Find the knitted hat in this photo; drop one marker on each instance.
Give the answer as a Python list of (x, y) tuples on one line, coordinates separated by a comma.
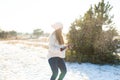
[(57, 25)]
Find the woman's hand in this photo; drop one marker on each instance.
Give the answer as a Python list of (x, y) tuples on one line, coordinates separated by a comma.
[(68, 46), (63, 48)]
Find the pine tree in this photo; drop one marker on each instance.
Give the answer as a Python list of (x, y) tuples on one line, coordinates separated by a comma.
[(91, 43)]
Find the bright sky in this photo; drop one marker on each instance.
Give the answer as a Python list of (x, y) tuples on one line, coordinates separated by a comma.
[(26, 15)]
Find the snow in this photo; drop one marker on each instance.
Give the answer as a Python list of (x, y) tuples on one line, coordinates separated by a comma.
[(28, 62)]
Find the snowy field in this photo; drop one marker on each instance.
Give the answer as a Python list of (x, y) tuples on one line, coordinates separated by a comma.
[(26, 60)]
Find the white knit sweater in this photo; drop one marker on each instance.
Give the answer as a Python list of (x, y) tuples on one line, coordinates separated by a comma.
[(54, 48)]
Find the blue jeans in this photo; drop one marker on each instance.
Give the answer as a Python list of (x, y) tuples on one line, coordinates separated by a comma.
[(55, 64)]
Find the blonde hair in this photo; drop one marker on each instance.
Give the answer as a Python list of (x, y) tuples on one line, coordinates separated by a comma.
[(59, 37)]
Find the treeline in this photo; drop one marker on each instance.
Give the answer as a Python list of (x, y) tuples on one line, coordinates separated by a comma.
[(7, 34), (91, 43), (17, 35)]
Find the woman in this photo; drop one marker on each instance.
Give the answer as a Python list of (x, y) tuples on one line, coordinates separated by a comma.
[(57, 52)]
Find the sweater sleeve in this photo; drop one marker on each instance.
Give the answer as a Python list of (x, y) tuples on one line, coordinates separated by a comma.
[(53, 44)]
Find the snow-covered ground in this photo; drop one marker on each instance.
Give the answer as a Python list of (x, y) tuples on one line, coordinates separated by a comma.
[(20, 61)]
